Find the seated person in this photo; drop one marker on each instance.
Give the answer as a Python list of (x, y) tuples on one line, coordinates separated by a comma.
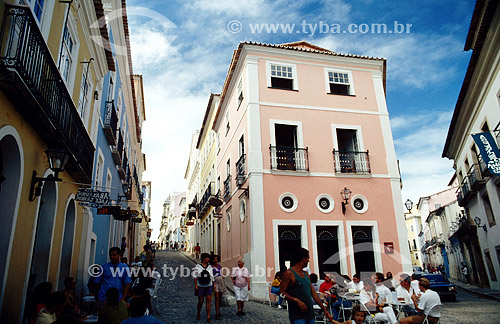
[(414, 284), (356, 284), (358, 316), (138, 307), (114, 310), (275, 287), (425, 305), (140, 291), (405, 291), (326, 285), (369, 298), (55, 304), (314, 281), (384, 293)]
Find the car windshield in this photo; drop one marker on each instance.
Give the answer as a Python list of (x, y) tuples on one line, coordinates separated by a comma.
[(433, 279)]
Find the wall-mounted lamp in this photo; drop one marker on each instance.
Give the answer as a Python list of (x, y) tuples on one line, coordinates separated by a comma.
[(408, 205), (477, 220), (58, 158), (96, 95), (125, 190), (346, 194)]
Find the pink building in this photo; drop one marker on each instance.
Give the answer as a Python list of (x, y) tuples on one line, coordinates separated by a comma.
[(296, 125)]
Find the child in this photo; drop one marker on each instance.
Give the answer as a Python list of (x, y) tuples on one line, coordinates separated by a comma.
[(357, 314)]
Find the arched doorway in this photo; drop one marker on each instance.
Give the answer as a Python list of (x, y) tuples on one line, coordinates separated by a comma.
[(67, 243), (43, 234), (11, 174)]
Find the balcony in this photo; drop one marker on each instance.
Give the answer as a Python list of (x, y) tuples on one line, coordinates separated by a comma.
[(30, 78), (475, 176), (464, 193), (122, 170), (351, 162), (128, 194), (117, 150), (227, 188), (110, 123), (137, 184), (289, 158), (204, 201), (241, 170), (485, 172)]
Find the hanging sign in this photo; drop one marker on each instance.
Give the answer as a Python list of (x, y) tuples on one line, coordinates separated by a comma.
[(489, 151), (91, 197)]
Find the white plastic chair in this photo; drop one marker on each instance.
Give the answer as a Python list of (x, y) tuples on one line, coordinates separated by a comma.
[(153, 291), (319, 316), (369, 317), (436, 308)]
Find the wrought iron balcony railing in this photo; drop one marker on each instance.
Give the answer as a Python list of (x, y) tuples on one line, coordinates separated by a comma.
[(475, 176), (30, 77), (241, 167), (122, 170), (351, 162), (227, 188), (289, 158), (464, 192), (117, 150), (209, 192), (110, 123)]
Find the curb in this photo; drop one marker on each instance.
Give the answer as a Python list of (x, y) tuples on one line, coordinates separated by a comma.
[(475, 291)]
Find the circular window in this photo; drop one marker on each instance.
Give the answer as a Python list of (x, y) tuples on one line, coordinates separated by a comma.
[(243, 210), (325, 203), (228, 218), (359, 204), (288, 202)]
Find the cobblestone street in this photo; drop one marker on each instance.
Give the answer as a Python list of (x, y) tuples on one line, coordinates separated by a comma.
[(177, 304)]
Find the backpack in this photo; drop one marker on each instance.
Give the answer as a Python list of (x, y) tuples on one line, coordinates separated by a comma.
[(204, 277)]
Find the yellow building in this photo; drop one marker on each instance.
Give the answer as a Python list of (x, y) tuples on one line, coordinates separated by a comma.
[(51, 64), (413, 227)]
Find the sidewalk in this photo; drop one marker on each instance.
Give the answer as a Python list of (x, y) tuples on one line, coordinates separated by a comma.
[(485, 292)]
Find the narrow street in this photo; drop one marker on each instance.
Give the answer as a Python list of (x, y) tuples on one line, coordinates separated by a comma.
[(177, 304)]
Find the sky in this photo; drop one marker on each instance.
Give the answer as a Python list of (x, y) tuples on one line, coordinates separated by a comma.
[(183, 50)]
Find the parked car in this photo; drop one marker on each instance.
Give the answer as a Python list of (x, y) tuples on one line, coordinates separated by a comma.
[(440, 284), (418, 270)]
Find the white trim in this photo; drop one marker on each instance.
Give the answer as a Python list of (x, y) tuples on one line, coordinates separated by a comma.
[(295, 202), (295, 78), (71, 197), (332, 203), (333, 70), (303, 236), (359, 135), (229, 220), (341, 242), (5, 131), (377, 250), (365, 201), (243, 209), (272, 124), (354, 111)]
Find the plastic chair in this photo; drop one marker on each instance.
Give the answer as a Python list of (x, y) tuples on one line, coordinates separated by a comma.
[(267, 298), (153, 291), (369, 317), (436, 308), (345, 309), (319, 316)]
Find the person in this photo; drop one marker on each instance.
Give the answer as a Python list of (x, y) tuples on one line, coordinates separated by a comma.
[(71, 307), (298, 290), (390, 282), (38, 300), (153, 249), (113, 274), (425, 305), (55, 304), (138, 308), (137, 262), (358, 316), (314, 281), (371, 300), (203, 285), (356, 284), (404, 292), (142, 292), (326, 285), (465, 271), (115, 310), (275, 287), (123, 246), (219, 285), (414, 284), (197, 250), (241, 283), (384, 293)]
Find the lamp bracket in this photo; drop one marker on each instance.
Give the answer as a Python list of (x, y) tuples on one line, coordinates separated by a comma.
[(37, 184)]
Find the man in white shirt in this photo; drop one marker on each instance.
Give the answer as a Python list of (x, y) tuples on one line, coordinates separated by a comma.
[(405, 291), (384, 294), (414, 284), (355, 284), (425, 305)]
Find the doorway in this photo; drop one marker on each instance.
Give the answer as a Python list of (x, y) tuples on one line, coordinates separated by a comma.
[(289, 242), (67, 243), (328, 249), (364, 255)]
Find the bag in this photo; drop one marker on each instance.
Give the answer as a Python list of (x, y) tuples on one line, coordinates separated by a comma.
[(204, 277), (227, 300)]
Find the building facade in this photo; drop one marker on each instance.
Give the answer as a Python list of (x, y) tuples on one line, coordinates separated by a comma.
[(413, 227), (477, 111), (281, 186)]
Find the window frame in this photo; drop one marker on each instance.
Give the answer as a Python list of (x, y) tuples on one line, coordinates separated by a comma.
[(294, 78), (352, 91), (70, 26)]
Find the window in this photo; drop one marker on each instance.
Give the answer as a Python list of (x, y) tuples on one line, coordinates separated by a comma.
[(339, 83), (110, 90), (288, 202), (488, 210), (66, 60), (489, 264), (98, 175), (325, 203), (83, 99), (240, 92), (414, 244), (228, 168), (227, 122), (228, 219), (416, 256), (282, 76), (241, 146), (411, 228), (359, 204), (37, 7)]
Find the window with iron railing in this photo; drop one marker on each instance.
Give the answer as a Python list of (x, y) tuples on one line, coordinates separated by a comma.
[(289, 158), (227, 188), (351, 162)]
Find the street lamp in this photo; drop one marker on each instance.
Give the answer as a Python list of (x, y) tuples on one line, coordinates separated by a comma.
[(346, 194), (125, 191), (408, 204), (58, 158), (477, 220)]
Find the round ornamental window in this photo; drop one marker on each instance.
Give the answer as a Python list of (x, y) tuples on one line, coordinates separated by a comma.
[(288, 202), (359, 204), (325, 203)]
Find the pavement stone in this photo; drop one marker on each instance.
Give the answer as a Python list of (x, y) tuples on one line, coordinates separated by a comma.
[(485, 292)]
